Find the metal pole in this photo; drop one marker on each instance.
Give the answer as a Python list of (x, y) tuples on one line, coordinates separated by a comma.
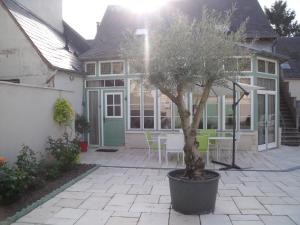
[(234, 125)]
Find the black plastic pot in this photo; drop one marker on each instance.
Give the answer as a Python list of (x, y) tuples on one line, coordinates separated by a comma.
[(193, 197)]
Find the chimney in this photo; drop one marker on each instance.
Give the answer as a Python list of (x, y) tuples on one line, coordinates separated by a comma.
[(48, 11)]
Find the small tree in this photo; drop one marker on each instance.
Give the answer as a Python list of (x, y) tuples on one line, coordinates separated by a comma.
[(180, 53), (282, 19)]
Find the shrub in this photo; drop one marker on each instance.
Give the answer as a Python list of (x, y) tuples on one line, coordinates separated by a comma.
[(63, 112), (82, 126), (28, 164), (65, 151), (12, 183)]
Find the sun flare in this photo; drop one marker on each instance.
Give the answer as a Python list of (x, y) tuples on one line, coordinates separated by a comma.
[(143, 6)]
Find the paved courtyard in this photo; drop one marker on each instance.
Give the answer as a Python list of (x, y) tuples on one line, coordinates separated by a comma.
[(130, 196)]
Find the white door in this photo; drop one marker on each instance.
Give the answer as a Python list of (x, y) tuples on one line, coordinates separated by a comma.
[(267, 120)]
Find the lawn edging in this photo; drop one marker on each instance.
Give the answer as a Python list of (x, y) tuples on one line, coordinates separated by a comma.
[(47, 197)]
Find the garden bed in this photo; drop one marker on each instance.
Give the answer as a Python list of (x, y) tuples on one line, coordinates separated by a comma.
[(30, 197)]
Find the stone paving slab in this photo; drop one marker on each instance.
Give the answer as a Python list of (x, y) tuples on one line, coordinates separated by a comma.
[(142, 197)]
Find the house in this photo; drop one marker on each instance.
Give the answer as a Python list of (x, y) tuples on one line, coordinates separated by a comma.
[(120, 107), (37, 47), (290, 83), (38, 64)]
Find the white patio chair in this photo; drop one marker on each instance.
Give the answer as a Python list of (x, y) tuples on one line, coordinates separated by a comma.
[(175, 144)]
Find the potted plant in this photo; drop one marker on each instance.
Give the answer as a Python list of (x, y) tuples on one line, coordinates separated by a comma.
[(181, 55), (82, 127)]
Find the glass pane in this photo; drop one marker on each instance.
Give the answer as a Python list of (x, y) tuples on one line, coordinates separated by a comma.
[(149, 101), (261, 120), (245, 108), (148, 122), (110, 111), (261, 66), (244, 64), (106, 68), (271, 118), (109, 99), (271, 67), (119, 83), (117, 99), (93, 83), (212, 122), (268, 84), (118, 67), (165, 112), (165, 122), (228, 113), (109, 83), (135, 94), (91, 68), (135, 122), (93, 118), (230, 64), (117, 110), (177, 123), (135, 68)]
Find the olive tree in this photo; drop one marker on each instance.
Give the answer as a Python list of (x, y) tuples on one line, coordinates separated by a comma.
[(180, 53)]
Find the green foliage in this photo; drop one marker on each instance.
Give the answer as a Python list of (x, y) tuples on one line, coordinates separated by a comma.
[(12, 183), (82, 126), (65, 151), (52, 171), (63, 112), (282, 19)]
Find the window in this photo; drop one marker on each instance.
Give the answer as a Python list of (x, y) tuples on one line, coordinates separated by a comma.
[(228, 113), (135, 103), (165, 112), (113, 105), (268, 84), (197, 93), (212, 113), (90, 68), (245, 108), (264, 66), (107, 68), (242, 64), (136, 68), (149, 102), (105, 83)]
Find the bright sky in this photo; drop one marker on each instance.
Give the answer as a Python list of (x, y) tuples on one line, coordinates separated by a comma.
[(82, 15)]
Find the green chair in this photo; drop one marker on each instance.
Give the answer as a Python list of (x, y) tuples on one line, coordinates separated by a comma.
[(202, 140)]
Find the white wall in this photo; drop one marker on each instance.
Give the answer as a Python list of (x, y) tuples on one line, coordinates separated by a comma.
[(18, 59), (27, 117), (294, 88), (73, 83), (49, 11)]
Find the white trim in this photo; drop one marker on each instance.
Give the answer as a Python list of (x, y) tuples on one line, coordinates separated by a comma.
[(111, 68), (267, 60), (85, 69), (266, 93), (121, 104)]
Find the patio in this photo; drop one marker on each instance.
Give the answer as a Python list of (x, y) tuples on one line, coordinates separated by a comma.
[(114, 194), (283, 158)]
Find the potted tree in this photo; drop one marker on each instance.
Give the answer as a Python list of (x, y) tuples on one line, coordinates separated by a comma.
[(82, 127), (180, 54)]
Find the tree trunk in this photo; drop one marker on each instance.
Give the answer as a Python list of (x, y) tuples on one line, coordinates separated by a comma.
[(193, 160)]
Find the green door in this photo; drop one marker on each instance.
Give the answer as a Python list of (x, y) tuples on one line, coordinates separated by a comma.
[(113, 118)]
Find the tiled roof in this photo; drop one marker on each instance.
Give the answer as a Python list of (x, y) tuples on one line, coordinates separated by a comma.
[(290, 46), (50, 43), (116, 20)]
